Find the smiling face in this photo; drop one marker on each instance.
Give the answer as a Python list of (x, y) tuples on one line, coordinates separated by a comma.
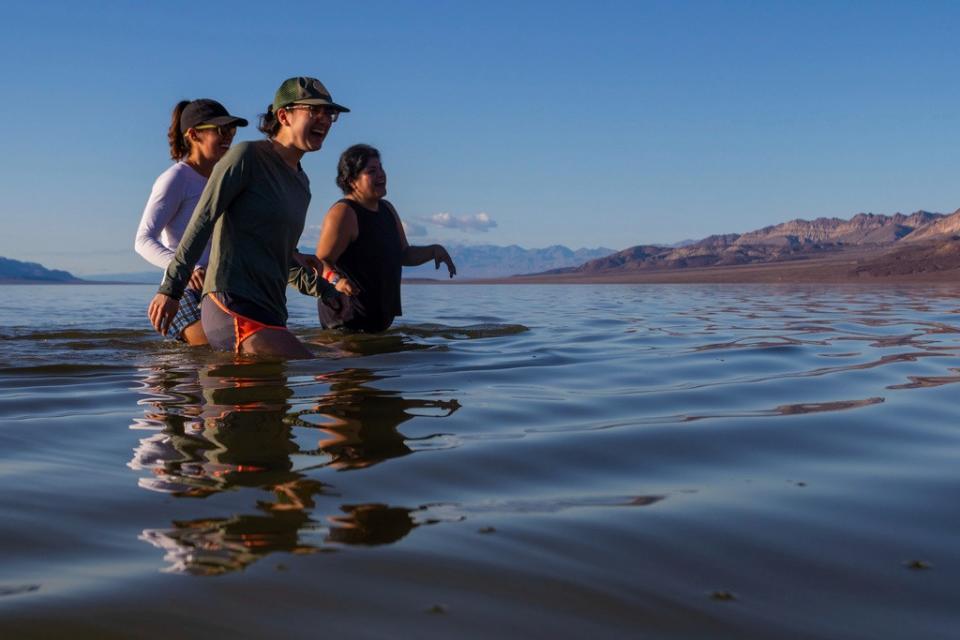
[(371, 184), (209, 142), (304, 127)]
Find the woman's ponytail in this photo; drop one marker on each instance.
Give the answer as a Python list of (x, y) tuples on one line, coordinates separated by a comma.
[(179, 147)]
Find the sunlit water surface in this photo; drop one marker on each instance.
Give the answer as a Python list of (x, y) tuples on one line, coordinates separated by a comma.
[(525, 461)]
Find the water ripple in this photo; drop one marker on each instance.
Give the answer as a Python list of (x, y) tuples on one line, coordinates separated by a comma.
[(674, 461)]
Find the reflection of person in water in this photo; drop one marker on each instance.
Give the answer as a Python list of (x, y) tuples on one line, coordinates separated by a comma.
[(236, 436), (213, 546), (224, 429), (230, 428), (218, 545), (371, 524), (362, 421)]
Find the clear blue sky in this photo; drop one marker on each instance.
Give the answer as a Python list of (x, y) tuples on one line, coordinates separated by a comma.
[(602, 123)]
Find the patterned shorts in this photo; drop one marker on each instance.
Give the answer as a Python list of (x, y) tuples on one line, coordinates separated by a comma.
[(188, 313)]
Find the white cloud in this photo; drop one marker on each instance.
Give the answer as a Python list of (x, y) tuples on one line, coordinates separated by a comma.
[(479, 222)]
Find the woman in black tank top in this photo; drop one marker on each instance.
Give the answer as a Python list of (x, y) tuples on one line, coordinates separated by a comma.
[(363, 243)]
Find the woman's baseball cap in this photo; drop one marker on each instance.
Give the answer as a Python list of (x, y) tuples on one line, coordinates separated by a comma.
[(207, 111)]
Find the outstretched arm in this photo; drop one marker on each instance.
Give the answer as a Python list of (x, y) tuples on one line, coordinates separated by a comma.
[(415, 255)]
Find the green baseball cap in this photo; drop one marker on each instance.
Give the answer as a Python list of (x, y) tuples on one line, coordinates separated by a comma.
[(303, 90)]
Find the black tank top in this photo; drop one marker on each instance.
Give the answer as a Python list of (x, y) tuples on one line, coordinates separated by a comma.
[(374, 263)]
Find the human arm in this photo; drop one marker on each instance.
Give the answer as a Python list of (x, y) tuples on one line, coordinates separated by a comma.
[(415, 255), (228, 180), (307, 262), (305, 276), (164, 202), (310, 283), (339, 230)]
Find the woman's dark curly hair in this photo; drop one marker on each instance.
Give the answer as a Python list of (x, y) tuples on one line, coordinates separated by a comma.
[(352, 162)]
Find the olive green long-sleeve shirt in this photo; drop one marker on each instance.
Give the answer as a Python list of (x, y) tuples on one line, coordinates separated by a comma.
[(254, 206)]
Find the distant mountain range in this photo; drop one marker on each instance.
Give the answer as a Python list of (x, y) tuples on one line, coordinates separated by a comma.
[(871, 245), (920, 242), (482, 261), (15, 271), (137, 277), (492, 261)]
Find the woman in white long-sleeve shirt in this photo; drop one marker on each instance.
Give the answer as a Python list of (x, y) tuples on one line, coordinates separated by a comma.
[(200, 132)]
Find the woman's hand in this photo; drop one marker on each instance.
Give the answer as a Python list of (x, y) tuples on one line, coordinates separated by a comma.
[(161, 312), (440, 255), (196, 279), (346, 287)]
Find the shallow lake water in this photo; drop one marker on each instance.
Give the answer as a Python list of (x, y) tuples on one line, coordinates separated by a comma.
[(664, 461)]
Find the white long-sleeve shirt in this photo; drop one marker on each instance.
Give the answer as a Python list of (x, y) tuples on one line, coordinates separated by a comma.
[(172, 200)]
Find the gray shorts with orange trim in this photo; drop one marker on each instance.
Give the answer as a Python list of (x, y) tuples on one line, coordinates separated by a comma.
[(227, 322)]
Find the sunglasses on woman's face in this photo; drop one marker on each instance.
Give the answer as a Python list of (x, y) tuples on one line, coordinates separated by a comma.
[(221, 130)]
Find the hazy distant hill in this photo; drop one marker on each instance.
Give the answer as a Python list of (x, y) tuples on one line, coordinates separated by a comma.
[(794, 240), (492, 261), (481, 261), (17, 271), (139, 277)]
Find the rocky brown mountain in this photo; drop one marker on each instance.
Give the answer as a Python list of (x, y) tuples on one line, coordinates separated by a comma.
[(867, 233), (942, 227), (863, 228)]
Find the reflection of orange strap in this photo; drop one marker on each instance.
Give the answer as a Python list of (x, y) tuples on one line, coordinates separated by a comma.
[(243, 327)]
